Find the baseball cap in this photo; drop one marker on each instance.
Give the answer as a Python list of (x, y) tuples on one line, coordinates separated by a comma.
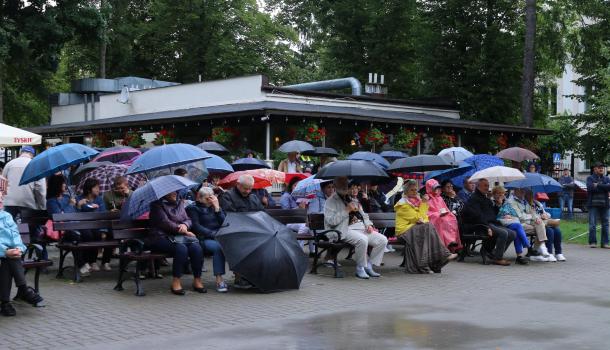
[(29, 149)]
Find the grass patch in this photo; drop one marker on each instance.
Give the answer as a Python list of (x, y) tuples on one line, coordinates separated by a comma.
[(573, 230)]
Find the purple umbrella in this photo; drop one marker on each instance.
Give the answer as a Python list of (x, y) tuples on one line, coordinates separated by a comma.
[(119, 155), (517, 154)]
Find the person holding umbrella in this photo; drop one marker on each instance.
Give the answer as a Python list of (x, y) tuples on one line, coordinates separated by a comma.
[(18, 197), (291, 164), (342, 212), (171, 234)]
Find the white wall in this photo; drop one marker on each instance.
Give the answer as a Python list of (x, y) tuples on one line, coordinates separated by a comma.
[(566, 87)]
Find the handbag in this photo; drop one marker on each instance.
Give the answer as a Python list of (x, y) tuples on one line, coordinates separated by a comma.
[(598, 199), (49, 232), (182, 239)]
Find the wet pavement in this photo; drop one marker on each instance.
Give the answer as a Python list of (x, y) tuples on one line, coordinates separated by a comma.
[(469, 306)]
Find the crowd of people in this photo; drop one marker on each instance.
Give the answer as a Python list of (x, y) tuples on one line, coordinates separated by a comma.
[(184, 223)]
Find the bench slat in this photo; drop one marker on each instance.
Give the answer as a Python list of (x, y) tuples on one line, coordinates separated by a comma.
[(87, 216)]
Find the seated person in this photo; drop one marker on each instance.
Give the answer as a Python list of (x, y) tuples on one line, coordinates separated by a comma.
[(479, 210), (240, 198), (287, 201), (453, 202), (344, 213), (376, 200), (91, 201), (531, 222), (508, 217), (170, 234), (553, 233), (116, 197), (425, 252), (443, 220), (207, 217), (466, 191), (317, 203), (265, 197), (11, 266)]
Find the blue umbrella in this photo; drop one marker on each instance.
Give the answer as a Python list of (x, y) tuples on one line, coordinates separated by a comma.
[(442, 175), (307, 187), (139, 201), (537, 183), (216, 164), (167, 156), (393, 155), (56, 159), (478, 162), (249, 164), (373, 157)]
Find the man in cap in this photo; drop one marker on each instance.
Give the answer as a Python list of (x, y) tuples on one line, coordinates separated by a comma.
[(598, 187), (30, 196)]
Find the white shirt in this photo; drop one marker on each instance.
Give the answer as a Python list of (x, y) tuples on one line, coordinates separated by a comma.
[(292, 167), (31, 195)]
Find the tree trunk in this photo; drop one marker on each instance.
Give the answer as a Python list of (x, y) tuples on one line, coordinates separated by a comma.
[(1, 97), (529, 73)]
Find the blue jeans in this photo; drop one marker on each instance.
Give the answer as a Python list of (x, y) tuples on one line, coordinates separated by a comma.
[(553, 239), (181, 253), (521, 240), (211, 246), (594, 212), (567, 200)]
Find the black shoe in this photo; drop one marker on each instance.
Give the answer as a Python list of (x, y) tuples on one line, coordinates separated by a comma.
[(29, 295), (521, 261), (7, 309), (200, 290), (177, 292)]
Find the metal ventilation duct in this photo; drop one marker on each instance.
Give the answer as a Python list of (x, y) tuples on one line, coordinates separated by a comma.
[(333, 84)]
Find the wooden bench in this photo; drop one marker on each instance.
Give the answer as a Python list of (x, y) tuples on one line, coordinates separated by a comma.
[(475, 236), (30, 263), (291, 216), (324, 244), (386, 224), (82, 221), (131, 235)]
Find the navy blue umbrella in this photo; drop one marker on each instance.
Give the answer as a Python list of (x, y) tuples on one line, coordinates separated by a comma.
[(419, 164), (537, 183), (139, 201), (55, 159), (478, 162), (393, 155), (355, 169), (249, 164), (167, 156), (213, 147), (373, 157)]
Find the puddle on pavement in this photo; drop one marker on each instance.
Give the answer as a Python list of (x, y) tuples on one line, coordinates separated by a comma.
[(569, 298), (390, 330)]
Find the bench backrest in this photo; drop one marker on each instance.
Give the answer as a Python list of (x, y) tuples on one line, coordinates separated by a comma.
[(315, 221), (33, 216), (288, 216), (84, 221), (24, 232), (383, 220), (134, 229)]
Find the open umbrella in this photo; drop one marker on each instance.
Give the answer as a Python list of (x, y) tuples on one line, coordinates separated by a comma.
[(263, 250), (308, 187), (374, 157), (290, 176), (322, 151), (55, 159), (498, 174), (419, 164), (231, 179), (273, 176), (393, 155), (11, 136), (120, 154), (216, 164), (517, 154), (355, 169), (478, 162), (455, 154), (139, 201), (296, 146), (167, 156), (249, 163), (442, 175), (537, 183), (105, 174), (213, 147)]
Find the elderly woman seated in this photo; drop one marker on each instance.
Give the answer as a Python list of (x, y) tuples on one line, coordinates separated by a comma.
[(170, 234), (207, 217), (508, 218), (424, 250), (444, 220), (553, 233)]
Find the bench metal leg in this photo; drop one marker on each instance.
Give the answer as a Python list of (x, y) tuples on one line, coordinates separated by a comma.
[(122, 269), (77, 276), (338, 272), (62, 258), (314, 267), (139, 288), (37, 279)]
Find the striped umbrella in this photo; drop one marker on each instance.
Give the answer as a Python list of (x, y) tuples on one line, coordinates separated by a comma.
[(106, 174)]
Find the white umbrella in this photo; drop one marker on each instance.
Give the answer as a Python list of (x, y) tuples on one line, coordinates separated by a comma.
[(498, 174), (455, 155), (11, 136)]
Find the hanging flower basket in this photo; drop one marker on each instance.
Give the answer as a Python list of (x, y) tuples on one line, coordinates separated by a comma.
[(406, 139), (224, 135), (164, 137), (498, 143), (133, 139), (311, 133), (443, 141), (100, 140), (531, 144), (372, 137)]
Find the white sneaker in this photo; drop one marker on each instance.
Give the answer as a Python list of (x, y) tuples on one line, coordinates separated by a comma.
[(551, 258), (542, 249), (85, 271), (389, 248), (539, 258), (560, 257), (106, 267), (94, 267)]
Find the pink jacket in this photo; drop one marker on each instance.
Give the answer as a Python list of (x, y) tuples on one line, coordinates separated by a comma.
[(446, 225)]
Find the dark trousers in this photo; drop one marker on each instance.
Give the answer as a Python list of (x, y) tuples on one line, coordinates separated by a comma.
[(91, 255), (10, 269), (553, 235), (15, 212), (503, 238), (182, 254), (211, 246)]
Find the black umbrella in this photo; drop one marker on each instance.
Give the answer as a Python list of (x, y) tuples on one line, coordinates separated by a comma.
[(263, 250), (213, 147), (322, 151), (419, 164), (296, 146), (249, 164), (355, 169)]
